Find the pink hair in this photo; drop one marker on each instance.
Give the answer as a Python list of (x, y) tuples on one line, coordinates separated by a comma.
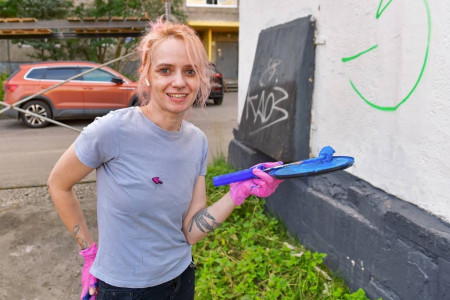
[(160, 31)]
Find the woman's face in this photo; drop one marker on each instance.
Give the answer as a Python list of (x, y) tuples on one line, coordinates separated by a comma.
[(173, 82)]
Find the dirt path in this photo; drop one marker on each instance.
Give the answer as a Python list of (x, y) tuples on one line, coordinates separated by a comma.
[(38, 257)]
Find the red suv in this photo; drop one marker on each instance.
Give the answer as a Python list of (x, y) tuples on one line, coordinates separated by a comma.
[(92, 94)]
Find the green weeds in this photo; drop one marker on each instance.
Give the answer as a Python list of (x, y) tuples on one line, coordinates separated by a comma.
[(251, 256), (3, 77)]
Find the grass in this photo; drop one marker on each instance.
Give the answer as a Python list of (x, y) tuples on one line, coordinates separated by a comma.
[(251, 256), (3, 77)]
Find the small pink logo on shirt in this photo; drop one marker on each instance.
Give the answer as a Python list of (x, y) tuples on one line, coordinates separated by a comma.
[(156, 180)]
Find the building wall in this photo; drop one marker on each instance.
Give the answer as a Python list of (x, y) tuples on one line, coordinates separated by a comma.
[(10, 52), (394, 121), (390, 248), (379, 95), (216, 14), (217, 24)]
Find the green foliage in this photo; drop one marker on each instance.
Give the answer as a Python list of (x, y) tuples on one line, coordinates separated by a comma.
[(3, 77), (40, 9), (60, 9), (127, 8), (251, 256), (91, 49), (46, 50), (124, 8)]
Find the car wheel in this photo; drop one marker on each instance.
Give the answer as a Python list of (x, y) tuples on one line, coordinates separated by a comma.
[(218, 101), (37, 107)]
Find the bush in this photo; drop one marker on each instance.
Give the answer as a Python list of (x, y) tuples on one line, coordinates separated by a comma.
[(251, 256), (3, 77)]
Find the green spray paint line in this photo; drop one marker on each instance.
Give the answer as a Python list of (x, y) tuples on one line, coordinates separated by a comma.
[(381, 10), (422, 70), (347, 59), (385, 108)]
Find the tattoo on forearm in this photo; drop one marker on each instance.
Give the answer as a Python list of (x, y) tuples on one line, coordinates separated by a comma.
[(204, 221), (84, 244), (76, 228)]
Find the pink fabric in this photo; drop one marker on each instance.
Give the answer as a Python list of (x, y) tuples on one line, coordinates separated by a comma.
[(262, 187), (88, 282)]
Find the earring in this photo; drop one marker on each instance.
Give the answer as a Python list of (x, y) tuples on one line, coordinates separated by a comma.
[(148, 83)]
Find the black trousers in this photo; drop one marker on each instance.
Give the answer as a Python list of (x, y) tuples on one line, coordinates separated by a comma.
[(180, 288)]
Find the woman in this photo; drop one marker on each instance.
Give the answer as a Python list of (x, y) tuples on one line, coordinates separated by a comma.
[(150, 166)]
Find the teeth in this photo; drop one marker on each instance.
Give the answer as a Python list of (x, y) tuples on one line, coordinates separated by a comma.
[(177, 95)]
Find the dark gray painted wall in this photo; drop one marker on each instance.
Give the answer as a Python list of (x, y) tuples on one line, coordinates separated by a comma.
[(390, 248)]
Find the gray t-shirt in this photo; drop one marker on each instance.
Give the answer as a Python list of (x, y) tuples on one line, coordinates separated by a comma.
[(141, 243)]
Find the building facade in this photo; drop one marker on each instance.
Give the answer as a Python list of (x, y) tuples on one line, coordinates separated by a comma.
[(380, 95), (217, 23)]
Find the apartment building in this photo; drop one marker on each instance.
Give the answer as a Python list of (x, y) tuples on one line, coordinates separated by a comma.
[(217, 22)]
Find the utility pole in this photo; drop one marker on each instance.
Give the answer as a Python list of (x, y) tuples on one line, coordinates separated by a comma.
[(8, 68), (167, 7)]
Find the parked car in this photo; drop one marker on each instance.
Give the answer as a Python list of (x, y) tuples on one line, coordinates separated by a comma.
[(92, 94), (217, 87)]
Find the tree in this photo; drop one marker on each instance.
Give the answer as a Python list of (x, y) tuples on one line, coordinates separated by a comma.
[(39, 9), (42, 10), (127, 8), (92, 49)]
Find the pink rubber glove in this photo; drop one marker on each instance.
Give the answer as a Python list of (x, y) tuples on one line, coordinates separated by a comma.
[(262, 187), (88, 282)]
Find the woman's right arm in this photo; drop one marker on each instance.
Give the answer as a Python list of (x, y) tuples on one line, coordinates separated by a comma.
[(68, 171)]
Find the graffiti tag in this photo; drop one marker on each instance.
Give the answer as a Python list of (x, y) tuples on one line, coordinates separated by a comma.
[(264, 106)]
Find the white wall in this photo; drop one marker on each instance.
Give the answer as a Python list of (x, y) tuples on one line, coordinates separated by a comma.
[(403, 151)]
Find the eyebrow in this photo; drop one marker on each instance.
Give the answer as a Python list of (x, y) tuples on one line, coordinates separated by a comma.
[(163, 65), (171, 65)]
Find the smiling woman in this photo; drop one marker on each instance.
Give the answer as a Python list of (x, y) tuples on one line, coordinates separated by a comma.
[(150, 166), (172, 84), (191, 49)]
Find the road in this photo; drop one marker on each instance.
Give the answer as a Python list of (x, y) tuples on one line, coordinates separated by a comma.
[(28, 155)]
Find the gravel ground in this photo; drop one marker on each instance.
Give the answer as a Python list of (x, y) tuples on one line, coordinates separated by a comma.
[(38, 257)]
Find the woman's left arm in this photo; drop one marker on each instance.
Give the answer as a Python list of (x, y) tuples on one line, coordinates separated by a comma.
[(201, 220)]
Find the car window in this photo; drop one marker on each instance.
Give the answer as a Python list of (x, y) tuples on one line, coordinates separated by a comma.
[(36, 73), (97, 75), (60, 73)]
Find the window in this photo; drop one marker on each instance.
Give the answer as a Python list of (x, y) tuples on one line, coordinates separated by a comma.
[(97, 75), (212, 3), (60, 73), (35, 73)]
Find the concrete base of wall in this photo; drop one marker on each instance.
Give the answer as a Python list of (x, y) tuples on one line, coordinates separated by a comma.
[(373, 240)]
